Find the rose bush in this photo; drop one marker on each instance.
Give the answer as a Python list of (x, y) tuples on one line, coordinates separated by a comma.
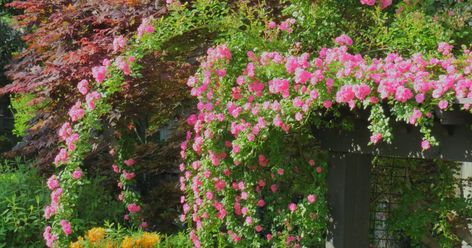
[(85, 120), (248, 109)]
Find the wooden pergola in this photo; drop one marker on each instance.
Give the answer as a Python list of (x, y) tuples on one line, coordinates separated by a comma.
[(350, 166)]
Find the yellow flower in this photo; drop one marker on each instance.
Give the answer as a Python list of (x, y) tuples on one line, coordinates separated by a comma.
[(128, 242), (110, 244), (149, 240), (96, 234), (77, 244)]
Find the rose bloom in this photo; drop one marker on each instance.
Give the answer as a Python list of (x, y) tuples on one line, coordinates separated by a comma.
[(311, 198), (77, 174), (134, 208), (129, 162), (292, 207)]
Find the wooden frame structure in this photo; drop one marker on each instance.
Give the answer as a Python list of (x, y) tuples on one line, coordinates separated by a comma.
[(350, 165)]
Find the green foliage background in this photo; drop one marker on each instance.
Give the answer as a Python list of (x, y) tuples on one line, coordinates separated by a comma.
[(24, 194)]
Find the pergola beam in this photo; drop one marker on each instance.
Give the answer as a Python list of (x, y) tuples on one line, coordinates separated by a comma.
[(452, 130)]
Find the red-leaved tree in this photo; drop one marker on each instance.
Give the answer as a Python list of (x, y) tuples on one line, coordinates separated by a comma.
[(66, 39)]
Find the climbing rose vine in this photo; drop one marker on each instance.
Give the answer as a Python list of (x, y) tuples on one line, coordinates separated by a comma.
[(76, 134), (251, 174), (382, 3)]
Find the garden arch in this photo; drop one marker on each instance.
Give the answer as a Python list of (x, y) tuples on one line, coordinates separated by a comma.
[(350, 160)]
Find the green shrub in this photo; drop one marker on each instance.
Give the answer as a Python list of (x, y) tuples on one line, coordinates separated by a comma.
[(432, 208), (96, 203), (320, 22), (411, 32), (177, 240), (23, 196), (24, 111), (455, 16), (402, 28)]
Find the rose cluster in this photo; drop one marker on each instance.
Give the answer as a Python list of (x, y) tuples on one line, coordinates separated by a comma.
[(234, 169)]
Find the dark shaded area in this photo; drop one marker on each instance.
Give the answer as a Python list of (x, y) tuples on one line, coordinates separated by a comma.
[(348, 198), (10, 41)]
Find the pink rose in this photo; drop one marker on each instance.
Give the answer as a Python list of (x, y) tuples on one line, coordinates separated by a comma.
[(99, 73), (128, 175), (311, 198), (77, 174), (368, 2), (49, 211), (425, 145), (419, 98), (134, 208), (55, 195), (65, 131), (52, 182), (70, 141), (76, 112), (344, 40), (292, 207), (144, 225), (123, 65), (66, 228), (445, 48), (49, 237), (209, 195), (115, 167), (118, 43), (273, 188), (129, 162), (415, 116), (443, 104), (91, 98), (375, 138), (61, 157), (262, 160), (145, 27), (327, 104), (249, 220), (83, 87), (385, 3)]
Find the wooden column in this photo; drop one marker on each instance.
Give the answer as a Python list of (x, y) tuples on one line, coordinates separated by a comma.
[(348, 200)]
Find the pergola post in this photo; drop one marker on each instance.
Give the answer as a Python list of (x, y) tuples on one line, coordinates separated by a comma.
[(348, 200), (350, 164)]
